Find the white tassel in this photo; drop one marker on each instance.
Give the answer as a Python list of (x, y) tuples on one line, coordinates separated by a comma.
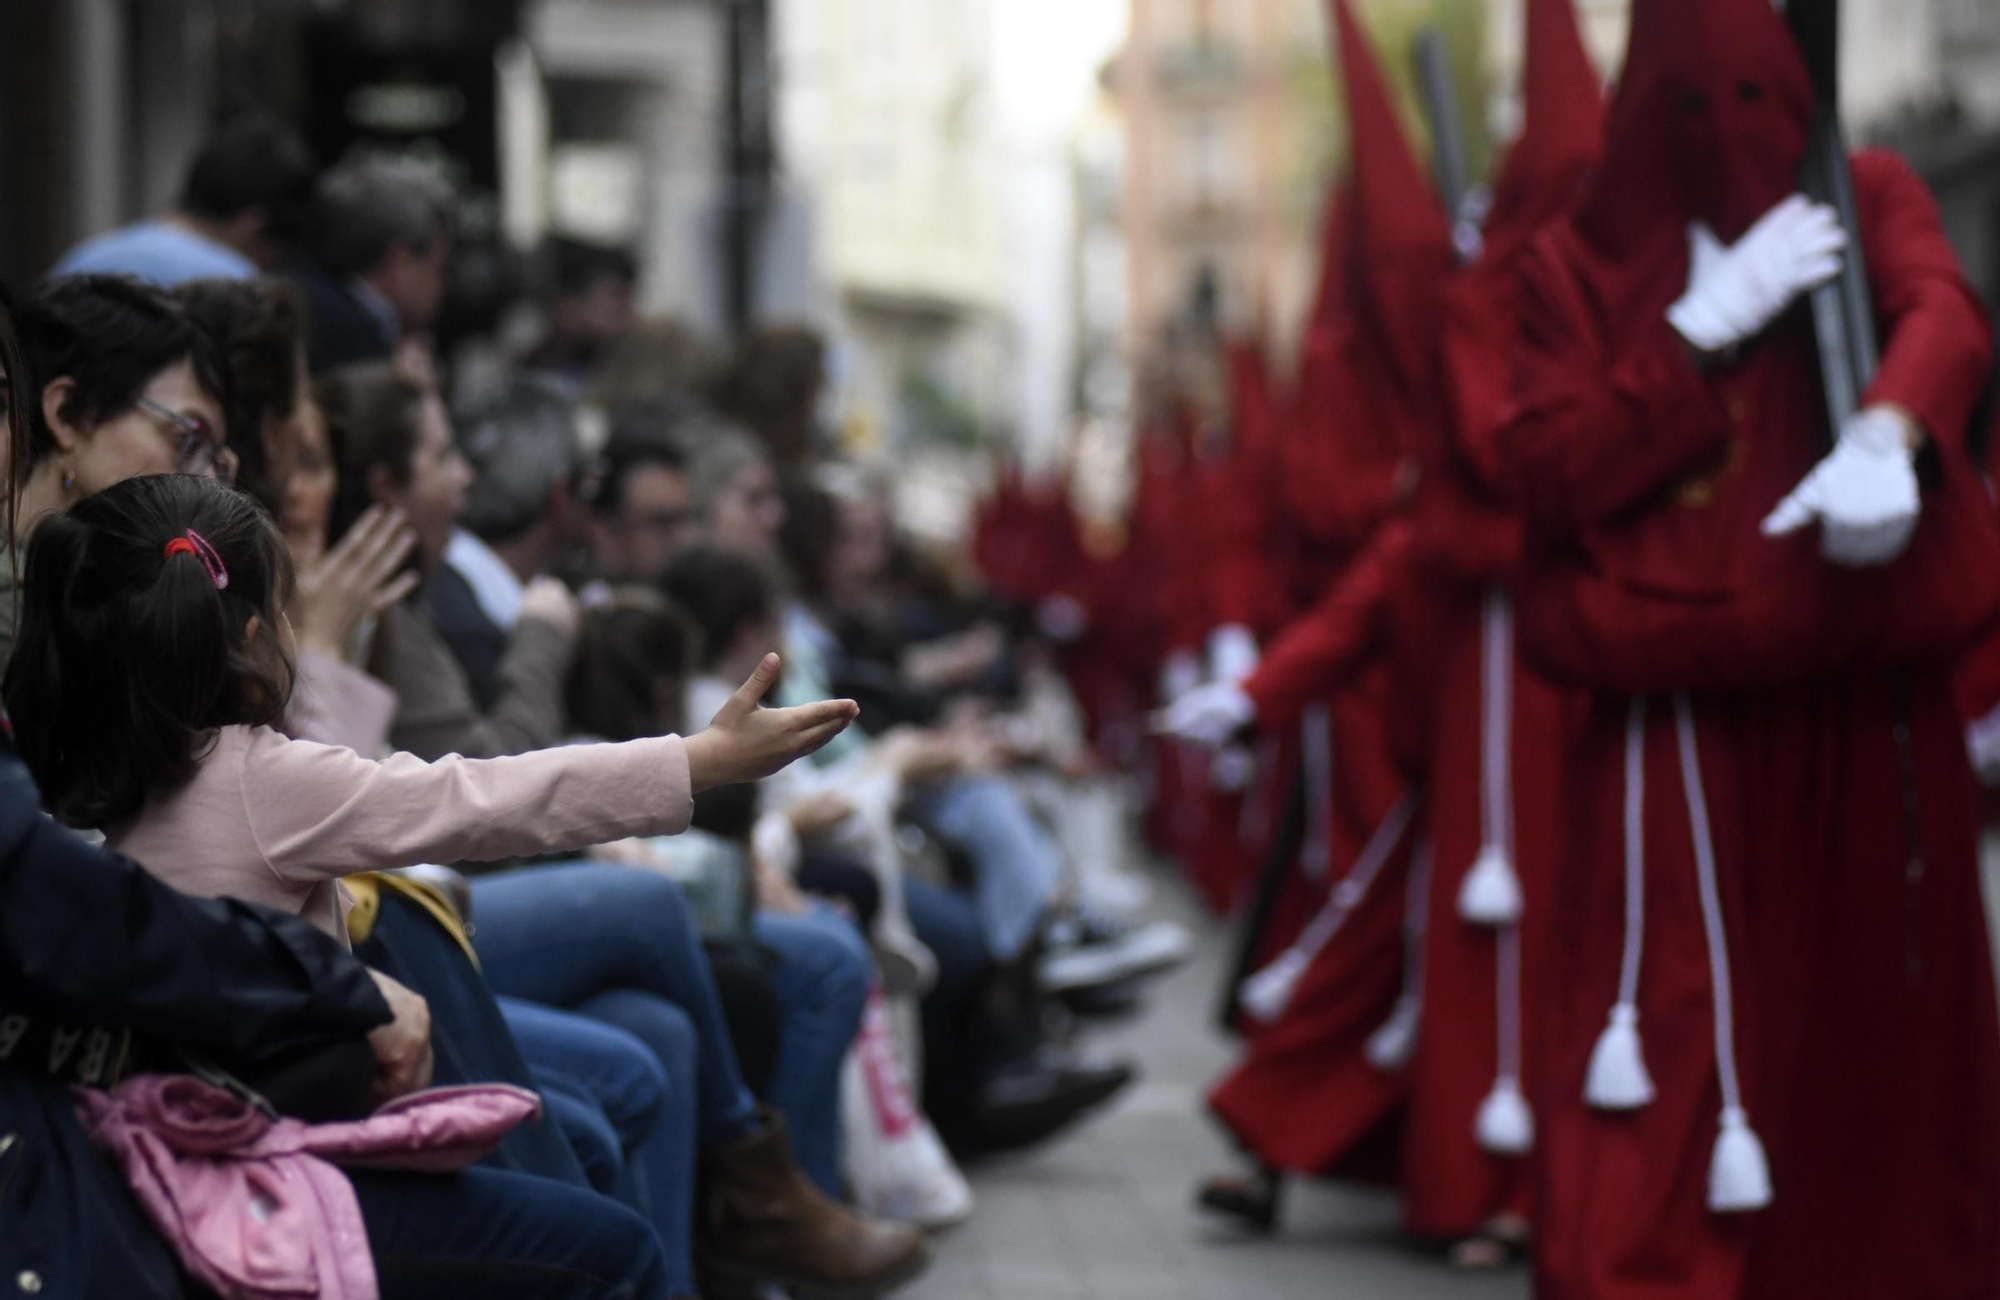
[(1505, 1126), (1618, 1079), (1389, 1047), (1739, 1174), (1491, 892), (1265, 995)]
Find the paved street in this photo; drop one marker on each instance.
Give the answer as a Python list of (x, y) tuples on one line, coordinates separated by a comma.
[(1105, 1214)]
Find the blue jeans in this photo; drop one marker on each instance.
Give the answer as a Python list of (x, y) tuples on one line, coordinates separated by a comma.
[(822, 977), (629, 1116), (1017, 864), (470, 1040), (617, 944), (495, 1232)]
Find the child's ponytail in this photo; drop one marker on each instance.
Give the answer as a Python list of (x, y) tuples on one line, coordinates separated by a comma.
[(149, 620)]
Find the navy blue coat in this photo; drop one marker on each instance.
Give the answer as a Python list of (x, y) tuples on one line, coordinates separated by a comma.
[(97, 960)]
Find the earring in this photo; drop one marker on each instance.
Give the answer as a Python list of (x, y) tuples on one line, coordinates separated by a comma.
[(69, 481)]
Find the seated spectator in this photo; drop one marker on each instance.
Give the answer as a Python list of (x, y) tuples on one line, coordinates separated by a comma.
[(117, 381), (587, 309), (239, 213), (394, 448), (258, 326), (626, 950), (518, 524), (378, 262), (656, 364), (640, 511), (772, 387), (226, 979)]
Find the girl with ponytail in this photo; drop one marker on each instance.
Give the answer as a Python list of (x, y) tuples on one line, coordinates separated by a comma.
[(154, 665)]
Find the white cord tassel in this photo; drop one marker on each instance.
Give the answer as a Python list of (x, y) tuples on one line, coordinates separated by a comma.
[(1505, 1125), (1491, 891), (1739, 1174), (1316, 758), (1265, 995), (1390, 1047), (1618, 1079)]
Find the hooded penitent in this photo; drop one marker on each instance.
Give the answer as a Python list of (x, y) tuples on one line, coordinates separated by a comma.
[(1737, 746)]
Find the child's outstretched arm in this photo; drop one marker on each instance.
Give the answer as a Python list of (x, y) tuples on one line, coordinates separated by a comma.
[(317, 811)]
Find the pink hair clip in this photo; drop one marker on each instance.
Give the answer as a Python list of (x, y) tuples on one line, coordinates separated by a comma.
[(196, 545)]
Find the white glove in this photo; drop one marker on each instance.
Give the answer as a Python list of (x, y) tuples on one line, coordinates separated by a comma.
[(1864, 493), (1208, 715), (1734, 292), (1180, 674), (1232, 653)]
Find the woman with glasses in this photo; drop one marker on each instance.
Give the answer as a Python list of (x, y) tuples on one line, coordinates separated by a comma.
[(120, 382)]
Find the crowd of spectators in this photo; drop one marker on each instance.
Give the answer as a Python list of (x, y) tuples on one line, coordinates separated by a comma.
[(374, 689)]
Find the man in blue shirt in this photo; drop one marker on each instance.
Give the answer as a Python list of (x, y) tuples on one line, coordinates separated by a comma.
[(239, 213)]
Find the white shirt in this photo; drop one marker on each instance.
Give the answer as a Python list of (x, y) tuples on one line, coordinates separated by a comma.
[(496, 587)]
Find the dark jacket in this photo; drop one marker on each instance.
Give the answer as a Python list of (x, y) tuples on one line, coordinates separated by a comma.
[(101, 964), (341, 330)]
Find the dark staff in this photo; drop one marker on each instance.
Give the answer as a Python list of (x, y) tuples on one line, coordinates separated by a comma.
[(1439, 98), (1844, 326)]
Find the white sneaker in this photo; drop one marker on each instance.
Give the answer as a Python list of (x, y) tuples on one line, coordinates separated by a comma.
[(1088, 952)]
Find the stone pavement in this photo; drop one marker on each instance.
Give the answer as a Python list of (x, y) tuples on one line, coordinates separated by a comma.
[(1104, 1213)]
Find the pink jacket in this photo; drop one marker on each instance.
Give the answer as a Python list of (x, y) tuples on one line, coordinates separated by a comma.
[(254, 1206), (278, 821)]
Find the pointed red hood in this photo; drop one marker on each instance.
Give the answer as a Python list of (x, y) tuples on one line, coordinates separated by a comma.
[(1562, 128), (1708, 124), (1330, 296), (1399, 246)]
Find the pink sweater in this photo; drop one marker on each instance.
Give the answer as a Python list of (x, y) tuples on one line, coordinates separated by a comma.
[(278, 821)]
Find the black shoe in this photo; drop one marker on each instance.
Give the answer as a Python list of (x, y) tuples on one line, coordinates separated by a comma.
[(1251, 1201), (1032, 1100), (1115, 1001)]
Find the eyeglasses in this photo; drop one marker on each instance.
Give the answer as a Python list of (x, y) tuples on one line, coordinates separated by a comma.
[(200, 452)]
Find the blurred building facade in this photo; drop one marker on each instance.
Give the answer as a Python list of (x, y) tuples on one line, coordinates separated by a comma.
[(887, 133)]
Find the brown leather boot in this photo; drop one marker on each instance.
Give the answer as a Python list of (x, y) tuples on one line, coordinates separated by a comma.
[(764, 1221)]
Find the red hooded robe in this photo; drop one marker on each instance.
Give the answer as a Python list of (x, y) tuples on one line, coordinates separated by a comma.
[(1840, 898)]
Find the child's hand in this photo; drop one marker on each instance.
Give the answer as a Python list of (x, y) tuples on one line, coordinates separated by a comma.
[(747, 742)]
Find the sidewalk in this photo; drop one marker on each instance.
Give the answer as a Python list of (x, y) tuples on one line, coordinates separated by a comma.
[(1105, 1213)]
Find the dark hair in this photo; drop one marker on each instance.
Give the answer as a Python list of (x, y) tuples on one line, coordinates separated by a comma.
[(810, 534), (372, 412), (521, 454), (643, 439), (259, 325), (372, 202), (622, 651), (575, 265), (253, 163), (771, 386), (128, 657), (109, 335), (723, 591)]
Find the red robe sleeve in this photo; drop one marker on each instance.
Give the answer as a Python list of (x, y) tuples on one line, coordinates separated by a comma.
[(1936, 344), (1592, 428), (1325, 647)]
